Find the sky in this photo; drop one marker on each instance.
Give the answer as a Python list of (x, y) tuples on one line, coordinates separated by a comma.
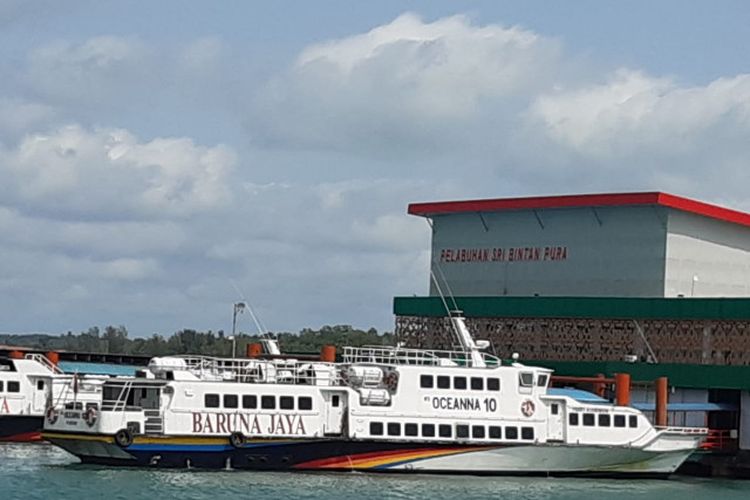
[(160, 161)]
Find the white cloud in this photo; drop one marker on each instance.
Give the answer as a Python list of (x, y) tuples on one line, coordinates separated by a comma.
[(407, 84), (634, 110), (108, 173)]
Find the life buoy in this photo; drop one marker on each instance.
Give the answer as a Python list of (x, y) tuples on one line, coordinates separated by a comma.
[(237, 439), (91, 416), (527, 408), (123, 438), (391, 381), (51, 415)]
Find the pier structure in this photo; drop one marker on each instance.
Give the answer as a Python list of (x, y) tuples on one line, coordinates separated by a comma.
[(651, 285)]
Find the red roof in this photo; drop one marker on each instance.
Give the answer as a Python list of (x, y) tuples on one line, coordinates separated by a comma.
[(582, 200)]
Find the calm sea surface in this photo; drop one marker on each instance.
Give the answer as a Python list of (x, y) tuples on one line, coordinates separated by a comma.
[(31, 471)]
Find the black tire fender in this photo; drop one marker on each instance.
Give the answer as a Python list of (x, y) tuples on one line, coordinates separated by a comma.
[(123, 438), (237, 439)]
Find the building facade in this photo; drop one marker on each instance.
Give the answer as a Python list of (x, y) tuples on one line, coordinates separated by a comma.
[(615, 245)]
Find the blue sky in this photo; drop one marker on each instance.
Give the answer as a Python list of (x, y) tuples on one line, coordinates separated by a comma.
[(162, 160)]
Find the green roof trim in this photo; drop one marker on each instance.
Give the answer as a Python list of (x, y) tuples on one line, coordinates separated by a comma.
[(580, 307), (684, 376)]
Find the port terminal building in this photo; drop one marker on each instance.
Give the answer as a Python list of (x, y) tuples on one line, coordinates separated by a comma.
[(651, 284)]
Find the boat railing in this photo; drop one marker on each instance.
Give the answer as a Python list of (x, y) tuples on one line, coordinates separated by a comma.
[(683, 430), (388, 355), (277, 371), (44, 360)]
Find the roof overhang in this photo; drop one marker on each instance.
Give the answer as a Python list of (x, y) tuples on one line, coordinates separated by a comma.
[(431, 209)]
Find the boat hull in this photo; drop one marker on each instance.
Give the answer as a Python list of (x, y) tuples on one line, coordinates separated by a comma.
[(372, 456), (21, 428)]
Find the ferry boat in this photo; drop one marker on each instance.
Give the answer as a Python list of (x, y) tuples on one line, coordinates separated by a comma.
[(25, 393), (391, 409)]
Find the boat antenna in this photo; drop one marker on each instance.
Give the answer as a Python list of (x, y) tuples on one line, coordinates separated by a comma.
[(447, 286), (270, 342), (445, 303), (258, 323)]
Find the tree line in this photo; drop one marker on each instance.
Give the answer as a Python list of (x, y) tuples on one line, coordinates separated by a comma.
[(115, 340)]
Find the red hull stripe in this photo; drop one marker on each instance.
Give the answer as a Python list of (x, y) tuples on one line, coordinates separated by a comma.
[(584, 200), (24, 437), (381, 458)]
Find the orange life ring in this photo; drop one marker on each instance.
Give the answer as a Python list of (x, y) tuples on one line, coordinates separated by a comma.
[(527, 408), (91, 416), (391, 381), (51, 415)]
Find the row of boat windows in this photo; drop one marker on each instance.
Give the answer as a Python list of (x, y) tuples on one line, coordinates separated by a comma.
[(12, 386), (603, 420), (525, 379), (460, 383), (461, 431), (250, 401)]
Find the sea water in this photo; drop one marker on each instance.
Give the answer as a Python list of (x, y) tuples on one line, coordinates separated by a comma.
[(41, 471)]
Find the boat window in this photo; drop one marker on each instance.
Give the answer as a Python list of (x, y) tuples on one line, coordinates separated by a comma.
[(493, 384), (286, 402), (604, 420), (477, 431), (541, 381), (268, 402), (633, 421), (14, 386), (619, 420), (1, 386), (445, 431), (376, 428), (526, 379), (588, 419), (527, 433), (74, 406), (428, 430), (477, 384), (555, 409), (411, 429), (443, 382), (211, 400), (40, 385), (394, 429), (462, 431), (335, 401), (496, 432), (249, 401), (230, 401), (573, 419), (459, 382), (511, 432), (425, 381), (304, 403)]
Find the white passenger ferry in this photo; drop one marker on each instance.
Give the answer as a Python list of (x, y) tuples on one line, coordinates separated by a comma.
[(25, 393), (381, 409)]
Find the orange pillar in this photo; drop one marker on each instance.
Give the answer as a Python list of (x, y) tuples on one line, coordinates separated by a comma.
[(599, 387), (328, 354), (622, 389), (53, 357), (15, 354), (254, 350), (662, 397)]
